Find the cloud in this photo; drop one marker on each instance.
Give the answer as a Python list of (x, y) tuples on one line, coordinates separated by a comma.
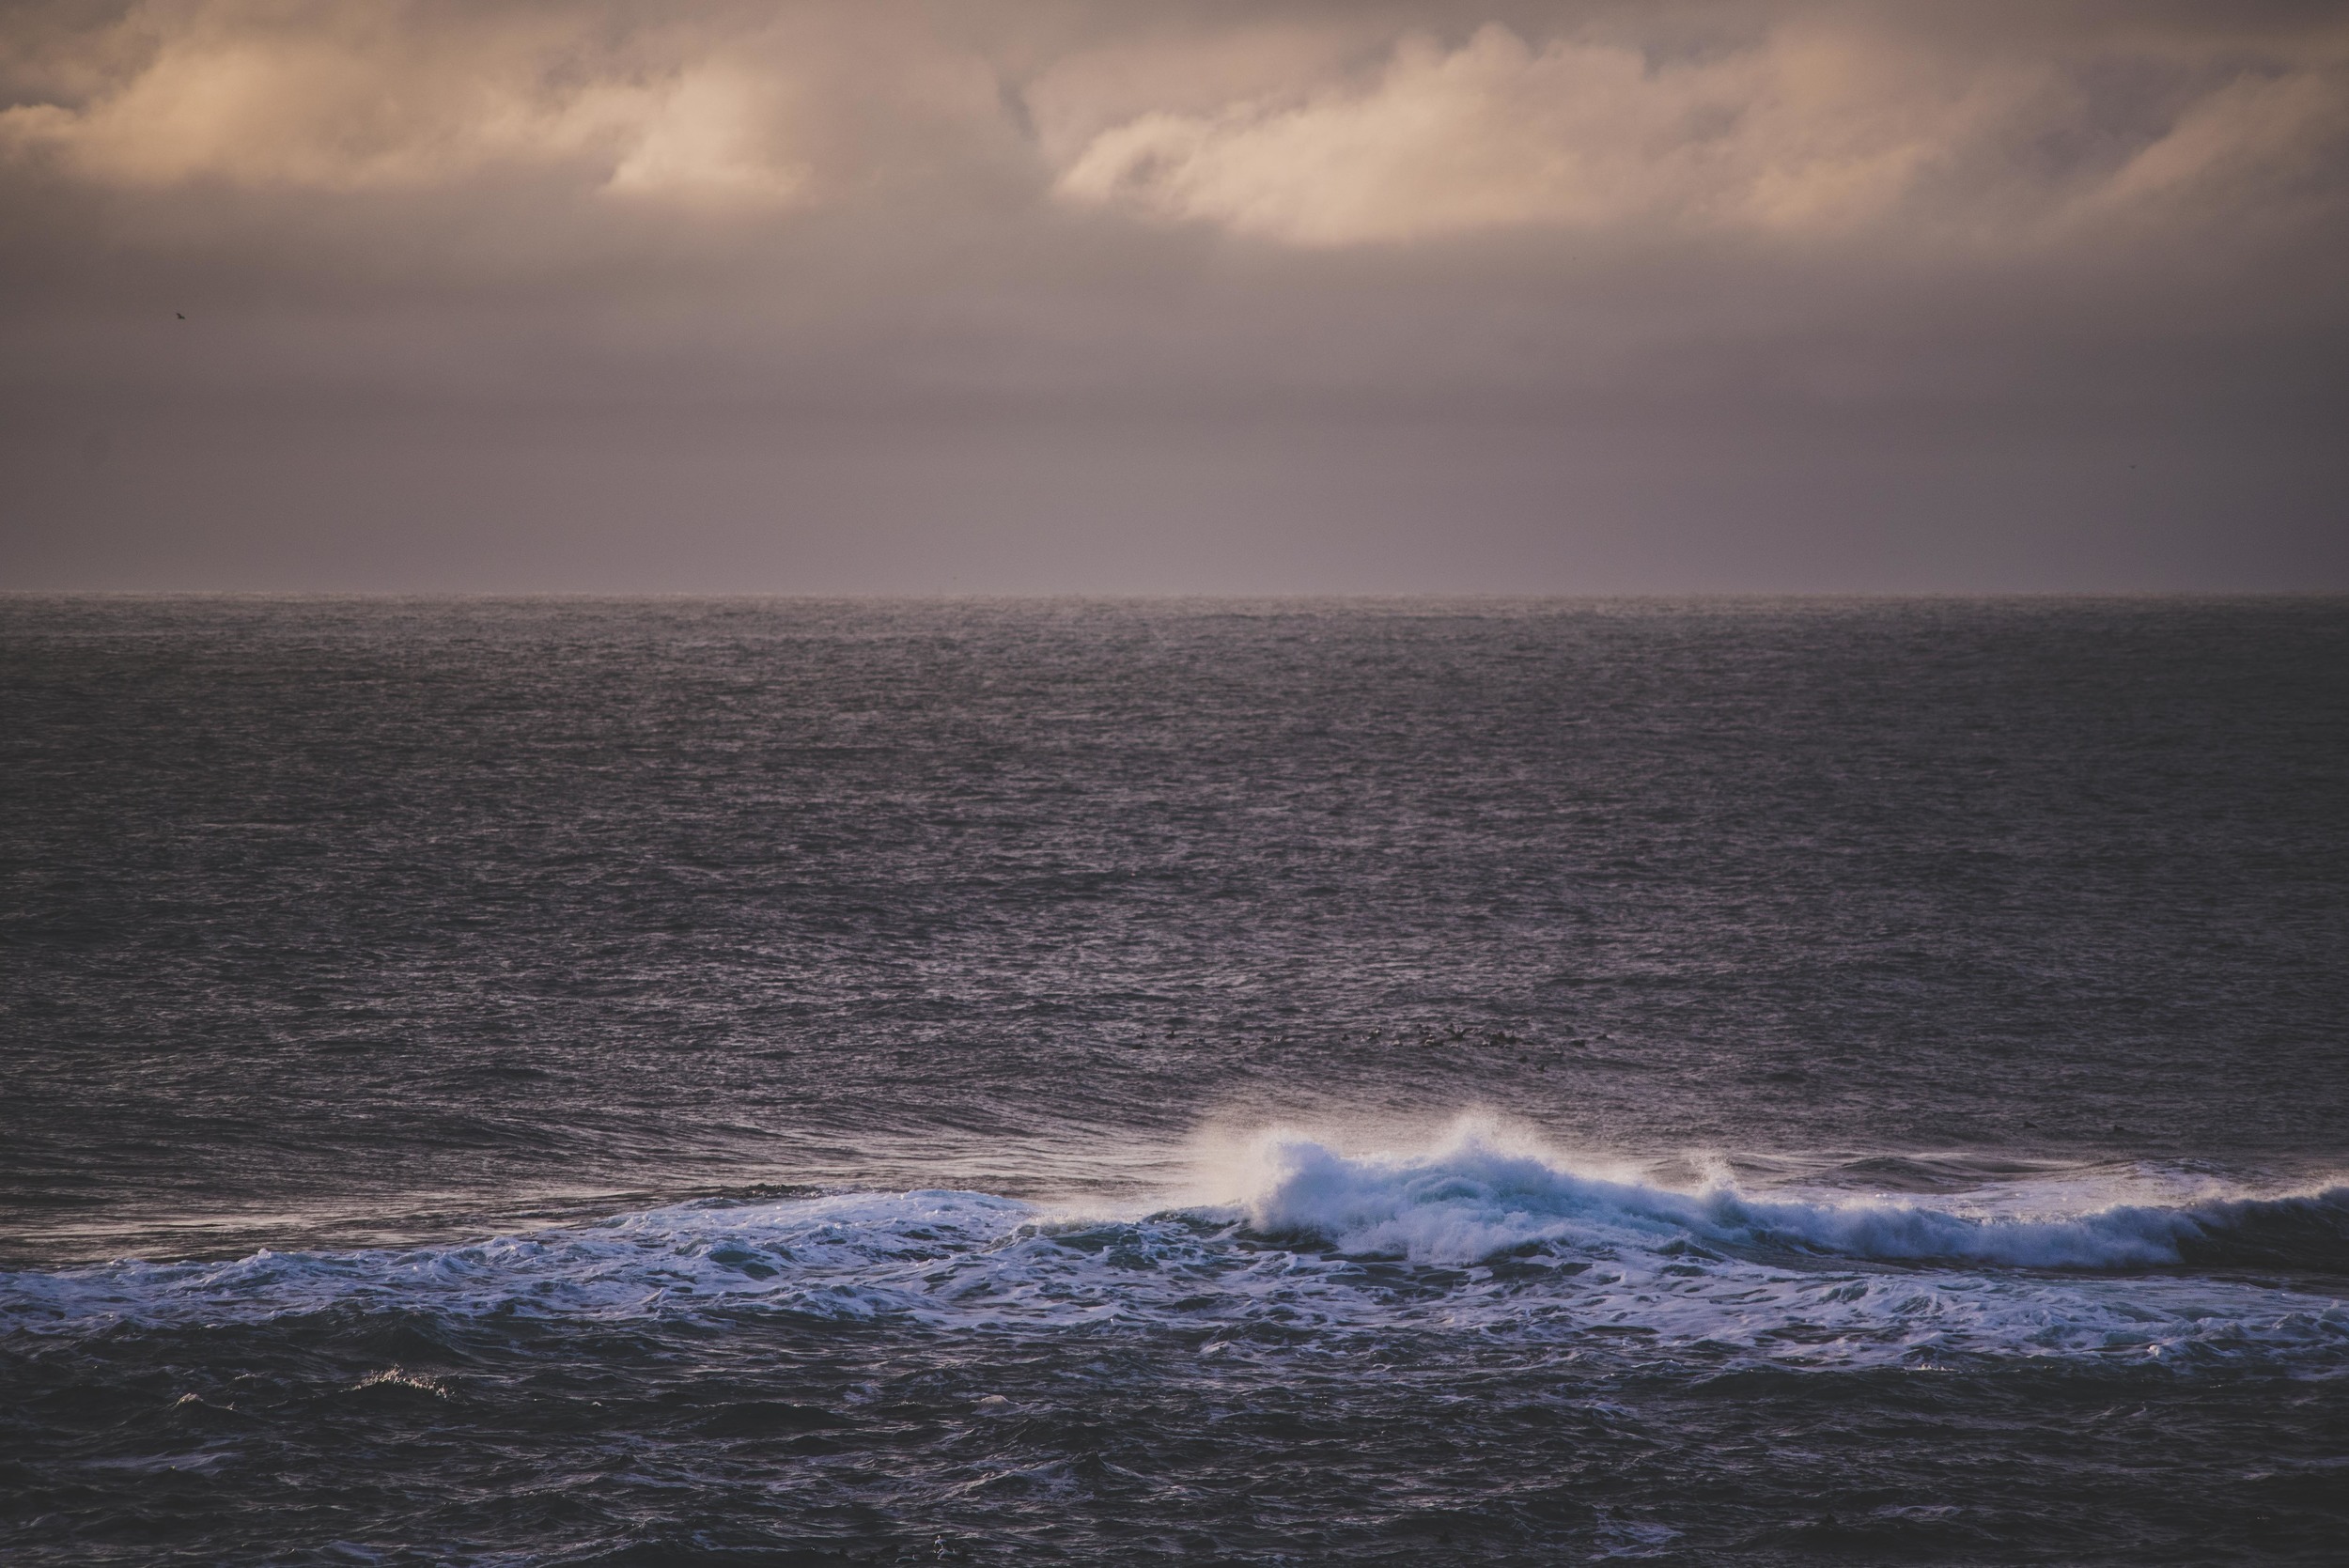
[(707, 138), (1304, 124), (2251, 136), (1807, 130), (340, 99)]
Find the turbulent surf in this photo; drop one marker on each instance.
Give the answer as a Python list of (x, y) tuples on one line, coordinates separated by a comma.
[(1469, 1238)]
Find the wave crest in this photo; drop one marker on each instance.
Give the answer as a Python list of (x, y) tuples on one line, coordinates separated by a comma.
[(1476, 1198), (1492, 1239)]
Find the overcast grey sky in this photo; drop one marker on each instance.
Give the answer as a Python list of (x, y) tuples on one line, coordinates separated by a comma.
[(1185, 296)]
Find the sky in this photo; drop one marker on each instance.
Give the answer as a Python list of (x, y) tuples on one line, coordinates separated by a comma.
[(1185, 296)]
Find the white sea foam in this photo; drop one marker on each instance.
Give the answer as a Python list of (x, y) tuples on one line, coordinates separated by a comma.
[(1476, 1194), (1473, 1235)]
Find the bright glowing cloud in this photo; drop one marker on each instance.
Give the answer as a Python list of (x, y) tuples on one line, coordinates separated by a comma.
[(1803, 131), (1318, 128), (710, 137), (349, 99)]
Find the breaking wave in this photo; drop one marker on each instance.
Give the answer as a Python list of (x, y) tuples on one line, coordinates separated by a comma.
[(1470, 1236), (1475, 1198)]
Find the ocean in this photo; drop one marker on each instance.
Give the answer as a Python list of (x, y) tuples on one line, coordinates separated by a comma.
[(695, 1082)]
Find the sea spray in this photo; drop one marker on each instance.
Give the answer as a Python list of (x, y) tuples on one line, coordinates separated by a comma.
[(1478, 1194)]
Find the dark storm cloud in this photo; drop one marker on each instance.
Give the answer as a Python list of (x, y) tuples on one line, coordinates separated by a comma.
[(1225, 297)]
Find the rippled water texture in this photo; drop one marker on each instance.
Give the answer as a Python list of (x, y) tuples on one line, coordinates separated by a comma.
[(649, 1082)]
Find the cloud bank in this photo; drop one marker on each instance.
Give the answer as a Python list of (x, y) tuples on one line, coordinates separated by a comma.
[(1313, 131), (1807, 131)]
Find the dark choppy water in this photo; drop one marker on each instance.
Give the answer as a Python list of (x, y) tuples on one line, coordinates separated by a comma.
[(710, 1082)]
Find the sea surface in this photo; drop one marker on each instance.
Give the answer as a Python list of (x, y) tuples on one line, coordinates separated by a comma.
[(756, 1082)]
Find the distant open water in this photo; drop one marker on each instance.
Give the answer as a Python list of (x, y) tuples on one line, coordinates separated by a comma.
[(775, 1082)]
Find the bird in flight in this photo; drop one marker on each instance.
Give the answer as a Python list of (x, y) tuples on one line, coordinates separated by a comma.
[(182, 314)]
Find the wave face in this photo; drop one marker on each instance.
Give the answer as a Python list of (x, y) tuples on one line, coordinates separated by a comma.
[(1474, 1199), (1471, 1237)]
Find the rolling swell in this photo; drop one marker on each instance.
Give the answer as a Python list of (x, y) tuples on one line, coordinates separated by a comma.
[(1467, 1238)]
